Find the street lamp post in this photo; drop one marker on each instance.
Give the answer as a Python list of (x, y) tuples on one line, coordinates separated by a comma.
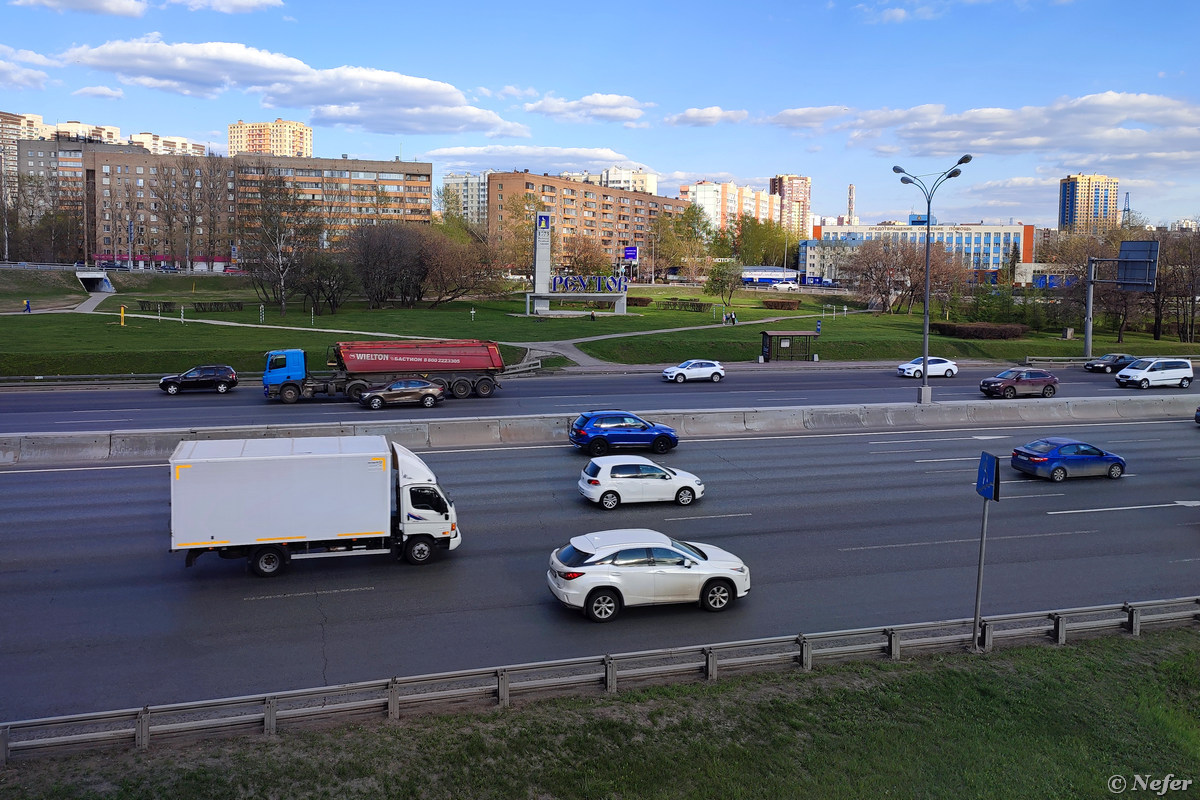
[(925, 394)]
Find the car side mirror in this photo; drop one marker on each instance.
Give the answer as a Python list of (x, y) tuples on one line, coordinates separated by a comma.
[(689, 563)]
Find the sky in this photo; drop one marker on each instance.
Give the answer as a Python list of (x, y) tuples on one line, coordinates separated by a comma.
[(1033, 90)]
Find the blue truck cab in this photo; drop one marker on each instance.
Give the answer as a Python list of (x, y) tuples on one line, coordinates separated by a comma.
[(283, 366)]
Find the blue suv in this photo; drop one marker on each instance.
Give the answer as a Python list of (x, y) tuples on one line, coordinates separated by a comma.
[(598, 431)]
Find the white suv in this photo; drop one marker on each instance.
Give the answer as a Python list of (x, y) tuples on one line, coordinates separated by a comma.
[(1148, 372), (604, 571)]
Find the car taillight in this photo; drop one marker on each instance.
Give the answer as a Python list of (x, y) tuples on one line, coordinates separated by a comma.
[(593, 482), (578, 432), (569, 576)]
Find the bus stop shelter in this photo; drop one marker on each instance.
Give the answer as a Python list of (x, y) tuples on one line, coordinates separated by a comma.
[(788, 346)]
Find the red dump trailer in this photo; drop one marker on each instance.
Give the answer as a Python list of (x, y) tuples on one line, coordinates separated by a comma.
[(462, 366)]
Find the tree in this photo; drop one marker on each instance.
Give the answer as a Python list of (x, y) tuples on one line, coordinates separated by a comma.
[(872, 269), (724, 278), (215, 200), (326, 281), (280, 231), (584, 255)]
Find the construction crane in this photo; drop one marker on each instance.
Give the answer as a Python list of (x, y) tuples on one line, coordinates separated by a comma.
[(1125, 213)]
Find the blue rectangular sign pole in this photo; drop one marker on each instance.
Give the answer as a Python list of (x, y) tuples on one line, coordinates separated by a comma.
[(987, 485)]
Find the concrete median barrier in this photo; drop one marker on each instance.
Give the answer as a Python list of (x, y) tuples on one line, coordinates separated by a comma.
[(35, 448)]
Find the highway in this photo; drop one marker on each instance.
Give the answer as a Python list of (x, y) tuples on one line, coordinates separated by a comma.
[(840, 530), (45, 410)]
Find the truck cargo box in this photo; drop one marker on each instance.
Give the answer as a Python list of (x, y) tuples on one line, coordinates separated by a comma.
[(418, 356)]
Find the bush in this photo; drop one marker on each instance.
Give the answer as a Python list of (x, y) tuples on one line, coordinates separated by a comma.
[(980, 330), (638, 301), (782, 305)]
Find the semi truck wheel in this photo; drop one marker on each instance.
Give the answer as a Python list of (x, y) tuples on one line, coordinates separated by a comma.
[(460, 388), (418, 550), (268, 561), (289, 394), (485, 388), (355, 390)]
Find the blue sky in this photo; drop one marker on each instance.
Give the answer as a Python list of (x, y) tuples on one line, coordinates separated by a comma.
[(1034, 90)]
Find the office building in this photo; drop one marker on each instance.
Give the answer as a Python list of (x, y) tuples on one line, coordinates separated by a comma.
[(278, 138), (1088, 204)]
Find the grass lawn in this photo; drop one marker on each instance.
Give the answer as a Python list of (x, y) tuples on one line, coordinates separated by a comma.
[(1031, 722)]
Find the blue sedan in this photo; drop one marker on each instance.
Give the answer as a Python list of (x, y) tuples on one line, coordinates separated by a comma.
[(1057, 457)]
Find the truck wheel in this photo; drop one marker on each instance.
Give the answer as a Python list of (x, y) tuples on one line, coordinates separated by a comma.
[(460, 388), (268, 561), (418, 550), (289, 394), (429, 401), (355, 390), (485, 388)]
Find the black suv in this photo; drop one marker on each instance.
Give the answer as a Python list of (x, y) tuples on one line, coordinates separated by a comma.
[(598, 431), (213, 376)]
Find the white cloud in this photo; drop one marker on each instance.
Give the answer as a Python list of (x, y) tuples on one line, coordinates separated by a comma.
[(17, 77), (705, 117), (536, 159), (228, 6), (604, 107), (807, 118), (377, 100), (102, 92), (25, 56), (116, 8)]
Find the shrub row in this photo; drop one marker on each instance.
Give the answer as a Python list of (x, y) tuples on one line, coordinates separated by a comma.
[(782, 305), (980, 330)]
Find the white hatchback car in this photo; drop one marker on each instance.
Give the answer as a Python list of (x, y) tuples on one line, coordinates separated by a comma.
[(937, 366), (605, 571), (612, 480), (696, 369), (1147, 372)]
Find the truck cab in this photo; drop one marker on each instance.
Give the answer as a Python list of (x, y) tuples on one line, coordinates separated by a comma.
[(283, 367)]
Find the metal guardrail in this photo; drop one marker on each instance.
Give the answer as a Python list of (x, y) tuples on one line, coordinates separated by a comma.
[(267, 713), (1031, 361)]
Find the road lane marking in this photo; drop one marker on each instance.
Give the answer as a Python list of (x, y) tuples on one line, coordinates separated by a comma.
[(1185, 503), (308, 594), (939, 460), (972, 540), (707, 516), (90, 421), (881, 452), (80, 469), (1026, 496), (939, 439)]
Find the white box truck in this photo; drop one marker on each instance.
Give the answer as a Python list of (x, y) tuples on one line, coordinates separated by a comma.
[(273, 500)]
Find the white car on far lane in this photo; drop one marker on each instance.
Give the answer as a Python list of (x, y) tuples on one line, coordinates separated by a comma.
[(609, 481), (696, 369), (937, 366)]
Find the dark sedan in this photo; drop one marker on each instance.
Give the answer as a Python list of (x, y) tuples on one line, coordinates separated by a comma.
[(220, 377), (1056, 458), (1012, 382), (1110, 362), (409, 390)]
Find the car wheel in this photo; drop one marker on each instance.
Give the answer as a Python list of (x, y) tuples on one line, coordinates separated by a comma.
[(485, 388), (429, 401), (267, 562), (679, 378), (460, 388), (598, 447), (949, 373), (716, 377), (1058, 474), (610, 500), (1144, 384), (660, 445), (1048, 391), (418, 550), (602, 605), (172, 388), (1115, 471), (717, 596), (1009, 392), (685, 496), (916, 373), (1107, 370), (222, 387), (1184, 383), (375, 403)]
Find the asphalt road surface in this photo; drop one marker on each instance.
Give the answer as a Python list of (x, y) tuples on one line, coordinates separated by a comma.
[(840, 531)]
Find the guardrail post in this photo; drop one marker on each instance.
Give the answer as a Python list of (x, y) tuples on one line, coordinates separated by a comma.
[(710, 664), (502, 687), (985, 640), (1060, 628), (610, 674), (1135, 620), (893, 644), (393, 692), (141, 732), (4, 734), (270, 709), (806, 654)]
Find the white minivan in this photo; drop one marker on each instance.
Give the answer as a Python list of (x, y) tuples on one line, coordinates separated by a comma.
[(1147, 372)]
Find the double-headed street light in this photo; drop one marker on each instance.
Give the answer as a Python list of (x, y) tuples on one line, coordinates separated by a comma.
[(924, 394)]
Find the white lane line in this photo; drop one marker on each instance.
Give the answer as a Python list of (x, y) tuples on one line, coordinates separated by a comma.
[(938, 439), (1182, 560), (103, 410), (1136, 440), (881, 452), (308, 594), (939, 460), (708, 516), (1185, 503), (1027, 496), (946, 471), (973, 540), (81, 469), (90, 421)]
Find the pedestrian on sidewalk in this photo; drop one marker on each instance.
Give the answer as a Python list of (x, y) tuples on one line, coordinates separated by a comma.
[(28, 310)]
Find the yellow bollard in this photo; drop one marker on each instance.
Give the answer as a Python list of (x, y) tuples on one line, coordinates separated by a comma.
[(122, 316)]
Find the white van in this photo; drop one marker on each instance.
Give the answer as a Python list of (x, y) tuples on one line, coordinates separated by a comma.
[(1147, 372)]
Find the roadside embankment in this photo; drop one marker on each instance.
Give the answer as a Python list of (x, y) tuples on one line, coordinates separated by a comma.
[(42, 448)]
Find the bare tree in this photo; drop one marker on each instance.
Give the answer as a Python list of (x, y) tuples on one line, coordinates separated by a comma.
[(873, 269), (585, 256), (215, 203), (280, 231)]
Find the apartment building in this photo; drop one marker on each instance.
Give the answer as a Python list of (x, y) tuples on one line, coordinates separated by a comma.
[(1088, 204), (795, 193), (168, 145), (471, 191), (279, 138), (615, 177), (615, 218), (723, 203)]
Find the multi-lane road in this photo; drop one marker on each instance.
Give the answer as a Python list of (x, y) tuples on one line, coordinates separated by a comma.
[(840, 530), (118, 409)]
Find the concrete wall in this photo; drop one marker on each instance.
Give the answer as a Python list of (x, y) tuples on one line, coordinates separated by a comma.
[(35, 448)]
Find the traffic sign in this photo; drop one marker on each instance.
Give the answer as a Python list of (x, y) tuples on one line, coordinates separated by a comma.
[(987, 483)]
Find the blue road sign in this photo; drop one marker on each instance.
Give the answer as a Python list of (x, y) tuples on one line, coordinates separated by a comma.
[(987, 483), (631, 253)]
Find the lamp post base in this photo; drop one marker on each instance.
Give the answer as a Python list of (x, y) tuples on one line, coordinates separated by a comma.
[(924, 395)]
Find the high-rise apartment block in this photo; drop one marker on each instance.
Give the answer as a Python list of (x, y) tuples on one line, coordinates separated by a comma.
[(471, 192), (278, 138), (723, 203), (631, 180), (795, 193), (1088, 204)]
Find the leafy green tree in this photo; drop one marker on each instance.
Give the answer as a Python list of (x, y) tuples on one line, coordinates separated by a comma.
[(724, 278)]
